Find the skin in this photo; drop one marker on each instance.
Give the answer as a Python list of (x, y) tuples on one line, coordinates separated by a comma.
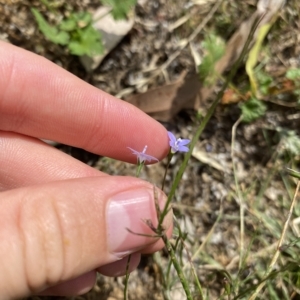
[(59, 217)]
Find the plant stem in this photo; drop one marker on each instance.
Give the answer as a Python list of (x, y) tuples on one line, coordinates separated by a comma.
[(205, 121), (198, 284), (127, 278), (167, 167), (178, 268), (139, 169), (239, 192)]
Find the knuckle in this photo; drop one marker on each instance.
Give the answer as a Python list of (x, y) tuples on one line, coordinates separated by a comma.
[(41, 232)]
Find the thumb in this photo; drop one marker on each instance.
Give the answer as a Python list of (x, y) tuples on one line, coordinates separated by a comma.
[(54, 232)]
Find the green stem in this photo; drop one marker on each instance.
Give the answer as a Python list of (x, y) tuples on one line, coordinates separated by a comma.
[(178, 268), (137, 174), (205, 121), (127, 278), (198, 284), (139, 168), (167, 167)]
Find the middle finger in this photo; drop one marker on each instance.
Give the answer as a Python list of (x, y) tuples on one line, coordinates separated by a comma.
[(26, 161)]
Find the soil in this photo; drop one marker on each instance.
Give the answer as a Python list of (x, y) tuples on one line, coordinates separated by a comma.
[(207, 204)]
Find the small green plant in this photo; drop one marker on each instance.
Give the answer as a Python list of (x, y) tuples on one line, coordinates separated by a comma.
[(255, 108), (76, 32), (290, 141), (264, 82), (294, 76), (120, 9), (214, 47), (252, 110), (52, 33)]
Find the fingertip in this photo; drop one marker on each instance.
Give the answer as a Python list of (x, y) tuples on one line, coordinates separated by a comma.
[(134, 231)]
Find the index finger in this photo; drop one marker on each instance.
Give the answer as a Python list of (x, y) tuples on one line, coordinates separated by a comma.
[(42, 100)]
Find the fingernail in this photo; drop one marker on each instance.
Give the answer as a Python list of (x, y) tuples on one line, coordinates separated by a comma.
[(129, 210)]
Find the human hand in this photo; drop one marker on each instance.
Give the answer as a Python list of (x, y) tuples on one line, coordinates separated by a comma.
[(61, 220)]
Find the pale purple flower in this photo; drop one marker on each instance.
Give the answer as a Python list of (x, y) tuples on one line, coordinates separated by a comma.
[(142, 156), (178, 145)]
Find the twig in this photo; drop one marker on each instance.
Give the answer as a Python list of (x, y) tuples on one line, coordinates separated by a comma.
[(192, 36), (282, 103), (198, 29), (239, 193), (262, 253), (279, 245)]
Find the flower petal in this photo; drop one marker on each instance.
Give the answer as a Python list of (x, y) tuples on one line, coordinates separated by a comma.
[(172, 138), (141, 156), (184, 142), (183, 149), (149, 157), (134, 151)]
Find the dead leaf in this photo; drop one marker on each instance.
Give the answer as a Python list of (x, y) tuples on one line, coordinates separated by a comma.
[(211, 160), (163, 103), (230, 96)]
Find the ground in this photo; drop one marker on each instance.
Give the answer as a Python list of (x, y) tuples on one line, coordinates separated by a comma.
[(223, 207)]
